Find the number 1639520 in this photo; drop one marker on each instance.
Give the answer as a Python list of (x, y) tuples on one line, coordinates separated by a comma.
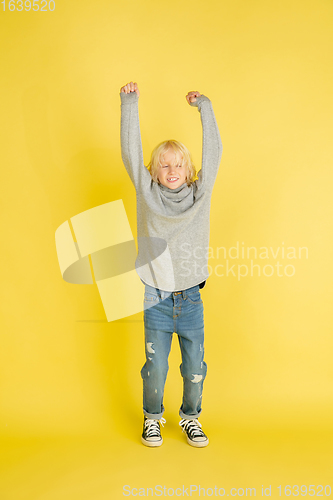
[(35, 5)]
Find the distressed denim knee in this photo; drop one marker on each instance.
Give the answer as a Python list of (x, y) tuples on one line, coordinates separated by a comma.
[(193, 378), (154, 376)]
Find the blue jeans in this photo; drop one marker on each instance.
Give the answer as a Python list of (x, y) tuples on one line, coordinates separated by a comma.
[(166, 313)]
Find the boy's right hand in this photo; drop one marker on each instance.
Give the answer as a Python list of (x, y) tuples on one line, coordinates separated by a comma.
[(192, 96), (130, 87)]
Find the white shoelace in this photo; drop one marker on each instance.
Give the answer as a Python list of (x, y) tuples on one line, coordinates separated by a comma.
[(152, 428), (192, 428)]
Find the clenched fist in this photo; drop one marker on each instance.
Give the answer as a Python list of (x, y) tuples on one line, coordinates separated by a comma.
[(130, 87), (192, 96)]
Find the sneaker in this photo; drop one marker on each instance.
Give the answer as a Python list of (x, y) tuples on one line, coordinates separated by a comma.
[(194, 434), (151, 434)]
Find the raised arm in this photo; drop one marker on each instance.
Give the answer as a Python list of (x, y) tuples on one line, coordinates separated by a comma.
[(211, 140), (130, 136)]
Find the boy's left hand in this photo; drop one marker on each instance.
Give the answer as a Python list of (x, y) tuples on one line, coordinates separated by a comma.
[(192, 96)]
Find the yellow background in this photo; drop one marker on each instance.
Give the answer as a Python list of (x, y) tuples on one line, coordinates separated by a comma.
[(71, 397)]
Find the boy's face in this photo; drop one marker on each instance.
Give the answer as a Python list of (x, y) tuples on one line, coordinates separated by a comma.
[(172, 173)]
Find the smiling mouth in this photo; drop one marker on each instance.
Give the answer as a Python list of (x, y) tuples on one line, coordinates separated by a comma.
[(172, 179)]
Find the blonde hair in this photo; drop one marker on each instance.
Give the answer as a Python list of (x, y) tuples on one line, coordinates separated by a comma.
[(178, 148)]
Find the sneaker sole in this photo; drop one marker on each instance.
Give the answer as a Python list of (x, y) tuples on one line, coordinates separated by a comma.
[(197, 444), (151, 444)]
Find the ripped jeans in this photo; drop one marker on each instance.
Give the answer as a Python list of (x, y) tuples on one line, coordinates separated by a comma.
[(166, 313)]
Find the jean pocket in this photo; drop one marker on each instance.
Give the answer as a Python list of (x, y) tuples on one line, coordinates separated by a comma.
[(194, 298)]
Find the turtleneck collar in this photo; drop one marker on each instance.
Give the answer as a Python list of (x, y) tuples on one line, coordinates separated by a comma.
[(184, 187)]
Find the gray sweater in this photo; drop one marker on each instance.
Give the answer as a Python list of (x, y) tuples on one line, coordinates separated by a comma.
[(173, 224)]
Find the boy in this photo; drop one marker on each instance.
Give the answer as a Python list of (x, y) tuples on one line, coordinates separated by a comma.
[(172, 217)]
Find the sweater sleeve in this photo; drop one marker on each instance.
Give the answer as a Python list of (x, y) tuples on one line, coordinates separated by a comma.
[(211, 143), (130, 138)]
